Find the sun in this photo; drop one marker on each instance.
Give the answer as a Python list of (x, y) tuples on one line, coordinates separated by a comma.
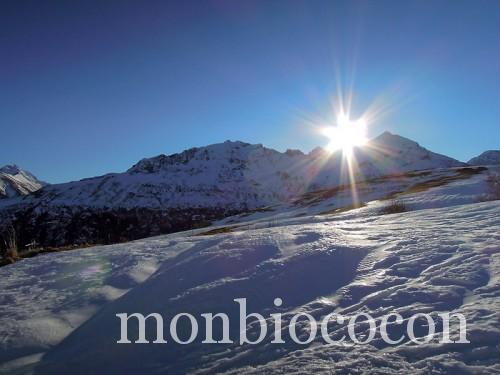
[(346, 135)]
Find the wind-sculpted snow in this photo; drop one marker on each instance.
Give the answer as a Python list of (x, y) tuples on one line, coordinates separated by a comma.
[(58, 311)]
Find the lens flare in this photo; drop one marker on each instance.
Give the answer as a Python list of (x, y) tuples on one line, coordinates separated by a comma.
[(346, 135)]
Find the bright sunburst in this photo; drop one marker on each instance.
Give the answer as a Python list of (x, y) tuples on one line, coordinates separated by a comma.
[(346, 135)]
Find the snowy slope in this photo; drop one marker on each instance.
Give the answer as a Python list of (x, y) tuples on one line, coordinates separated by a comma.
[(427, 260), (491, 157), (414, 190), (15, 182)]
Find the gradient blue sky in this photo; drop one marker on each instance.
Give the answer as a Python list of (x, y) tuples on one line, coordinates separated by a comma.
[(89, 87)]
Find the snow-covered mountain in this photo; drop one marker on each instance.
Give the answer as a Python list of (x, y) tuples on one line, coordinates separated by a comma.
[(15, 182), (491, 157), (237, 174), (169, 193)]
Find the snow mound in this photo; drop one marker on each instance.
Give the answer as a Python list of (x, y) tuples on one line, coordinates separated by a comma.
[(58, 310)]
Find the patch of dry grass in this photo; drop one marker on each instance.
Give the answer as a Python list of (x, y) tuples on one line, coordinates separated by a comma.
[(41, 250), (316, 196), (339, 210), (10, 254), (461, 173), (393, 207), (211, 232)]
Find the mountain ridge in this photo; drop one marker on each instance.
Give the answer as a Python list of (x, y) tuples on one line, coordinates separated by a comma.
[(235, 173), (168, 193)]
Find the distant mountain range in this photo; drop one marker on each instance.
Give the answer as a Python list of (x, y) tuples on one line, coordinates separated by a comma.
[(236, 175), (167, 193)]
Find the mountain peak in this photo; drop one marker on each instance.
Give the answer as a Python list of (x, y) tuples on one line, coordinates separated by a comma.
[(317, 152), (11, 169), (390, 139), (15, 181), (228, 150), (386, 133), (490, 157), (404, 153)]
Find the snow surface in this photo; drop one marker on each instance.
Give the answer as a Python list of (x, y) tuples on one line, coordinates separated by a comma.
[(57, 311), (454, 186)]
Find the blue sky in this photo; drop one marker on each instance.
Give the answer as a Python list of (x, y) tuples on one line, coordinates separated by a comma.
[(91, 87)]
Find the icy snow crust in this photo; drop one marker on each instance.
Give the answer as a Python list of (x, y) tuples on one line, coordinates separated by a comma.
[(57, 311)]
